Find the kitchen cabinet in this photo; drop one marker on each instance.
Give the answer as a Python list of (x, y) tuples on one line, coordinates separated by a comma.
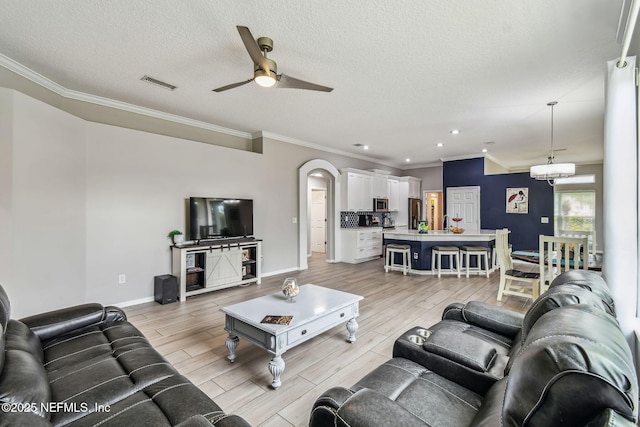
[(414, 187), (357, 190), (380, 186), (361, 244), (394, 194)]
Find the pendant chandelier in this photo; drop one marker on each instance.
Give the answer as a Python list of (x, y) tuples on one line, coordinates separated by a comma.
[(551, 170)]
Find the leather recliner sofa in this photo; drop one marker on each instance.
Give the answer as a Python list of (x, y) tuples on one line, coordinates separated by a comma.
[(87, 366), (564, 363)]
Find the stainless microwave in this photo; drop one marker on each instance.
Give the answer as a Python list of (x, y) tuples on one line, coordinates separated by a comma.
[(380, 205)]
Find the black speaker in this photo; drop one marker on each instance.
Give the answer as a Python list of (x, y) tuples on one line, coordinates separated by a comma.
[(166, 289)]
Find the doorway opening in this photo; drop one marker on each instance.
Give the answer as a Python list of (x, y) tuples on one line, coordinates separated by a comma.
[(433, 206), (318, 213), (318, 175)]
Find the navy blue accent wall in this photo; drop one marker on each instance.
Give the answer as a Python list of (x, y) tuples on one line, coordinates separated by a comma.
[(525, 228)]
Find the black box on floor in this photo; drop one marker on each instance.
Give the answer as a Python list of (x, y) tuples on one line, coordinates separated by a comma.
[(165, 289)]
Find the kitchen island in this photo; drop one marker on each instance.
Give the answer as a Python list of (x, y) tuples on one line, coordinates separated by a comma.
[(421, 243)]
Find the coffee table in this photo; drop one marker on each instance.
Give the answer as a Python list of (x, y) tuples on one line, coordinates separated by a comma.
[(315, 310)]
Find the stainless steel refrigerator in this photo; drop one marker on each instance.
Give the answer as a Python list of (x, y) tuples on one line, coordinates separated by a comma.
[(415, 206)]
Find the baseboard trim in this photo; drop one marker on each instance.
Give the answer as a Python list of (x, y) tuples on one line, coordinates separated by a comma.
[(275, 273), (134, 302)]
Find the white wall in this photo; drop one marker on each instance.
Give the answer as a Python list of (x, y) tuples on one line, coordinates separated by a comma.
[(6, 185), (87, 202), (431, 177), (47, 206)]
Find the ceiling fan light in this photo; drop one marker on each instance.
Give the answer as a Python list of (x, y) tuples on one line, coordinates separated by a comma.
[(552, 171), (263, 78)]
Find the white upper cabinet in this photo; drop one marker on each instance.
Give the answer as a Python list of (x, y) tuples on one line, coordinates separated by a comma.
[(394, 194), (414, 187), (357, 190), (380, 186), (360, 187)]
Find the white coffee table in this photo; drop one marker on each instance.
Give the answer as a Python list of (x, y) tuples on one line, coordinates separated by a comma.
[(315, 310)]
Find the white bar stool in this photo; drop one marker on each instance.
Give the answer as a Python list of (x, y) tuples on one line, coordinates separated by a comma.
[(390, 263), (450, 251), (480, 252)]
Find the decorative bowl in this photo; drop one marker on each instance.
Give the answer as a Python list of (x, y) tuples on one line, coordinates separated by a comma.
[(457, 230), (290, 288)]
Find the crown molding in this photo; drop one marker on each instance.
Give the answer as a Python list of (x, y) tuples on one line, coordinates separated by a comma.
[(62, 91)]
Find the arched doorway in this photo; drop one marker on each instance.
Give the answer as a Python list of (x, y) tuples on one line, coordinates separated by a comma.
[(333, 214)]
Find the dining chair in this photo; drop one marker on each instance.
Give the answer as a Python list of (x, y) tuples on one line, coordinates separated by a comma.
[(530, 283), (559, 254), (589, 234)]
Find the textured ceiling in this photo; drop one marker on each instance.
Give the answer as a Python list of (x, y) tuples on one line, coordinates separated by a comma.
[(404, 73)]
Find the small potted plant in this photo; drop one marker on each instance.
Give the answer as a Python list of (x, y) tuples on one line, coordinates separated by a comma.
[(177, 236)]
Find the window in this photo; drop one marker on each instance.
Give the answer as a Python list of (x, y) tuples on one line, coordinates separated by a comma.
[(574, 211)]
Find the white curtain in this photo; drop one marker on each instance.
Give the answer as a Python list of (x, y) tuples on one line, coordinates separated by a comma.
[(621, 219)]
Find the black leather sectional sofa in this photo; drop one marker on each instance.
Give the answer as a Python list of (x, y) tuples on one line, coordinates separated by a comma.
[(88, 366), (564, 363)]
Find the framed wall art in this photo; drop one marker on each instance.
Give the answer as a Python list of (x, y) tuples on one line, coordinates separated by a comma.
[(518, 200)]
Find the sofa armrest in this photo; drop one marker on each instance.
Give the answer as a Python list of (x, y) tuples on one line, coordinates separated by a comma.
[(223, 421), (364, 408), (453, 312), (231, 421), (493, 318), (53, 323)]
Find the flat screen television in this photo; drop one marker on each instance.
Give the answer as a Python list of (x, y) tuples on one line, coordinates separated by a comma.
[(218, 218)]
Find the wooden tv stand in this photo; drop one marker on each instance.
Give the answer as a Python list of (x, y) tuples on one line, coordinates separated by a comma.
[(217, 264)]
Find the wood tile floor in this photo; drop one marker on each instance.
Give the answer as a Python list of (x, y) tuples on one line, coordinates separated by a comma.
[(191, 335)]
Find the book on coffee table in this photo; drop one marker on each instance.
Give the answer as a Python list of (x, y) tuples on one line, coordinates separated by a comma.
[(277, 320)]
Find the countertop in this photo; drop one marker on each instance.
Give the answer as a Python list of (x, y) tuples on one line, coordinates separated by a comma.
[(403, 233), (378, 228)]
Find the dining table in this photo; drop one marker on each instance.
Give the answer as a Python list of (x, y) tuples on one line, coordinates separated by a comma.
[(533, 256)]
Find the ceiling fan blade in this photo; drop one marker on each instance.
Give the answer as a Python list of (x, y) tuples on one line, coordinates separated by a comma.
[(232, 85), (293, 83), (252, 47)]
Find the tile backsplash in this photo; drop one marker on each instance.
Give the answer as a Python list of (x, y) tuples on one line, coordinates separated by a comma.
[(349, 219)]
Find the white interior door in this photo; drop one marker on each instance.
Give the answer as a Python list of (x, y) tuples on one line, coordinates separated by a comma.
[(318, 221), (464, 202)]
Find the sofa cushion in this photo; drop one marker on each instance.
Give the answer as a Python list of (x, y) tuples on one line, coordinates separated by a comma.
[(589, 280), (20, 337), (422, 393), (574, 364), (112, 365), (24, 381)]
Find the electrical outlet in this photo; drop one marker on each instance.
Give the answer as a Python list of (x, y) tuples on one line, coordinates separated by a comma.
[(544, 220), (415, 255), (122, 279), (294, 220)]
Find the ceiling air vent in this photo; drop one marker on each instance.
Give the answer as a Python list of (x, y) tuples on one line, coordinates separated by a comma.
[(158, 83)]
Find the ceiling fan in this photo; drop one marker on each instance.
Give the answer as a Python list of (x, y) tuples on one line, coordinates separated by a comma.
[(265, 71)]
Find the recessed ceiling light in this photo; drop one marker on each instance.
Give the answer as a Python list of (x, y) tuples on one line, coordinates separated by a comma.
[(440, 144), (366, 147), (454, 131), (484, 150), (407, 160)]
